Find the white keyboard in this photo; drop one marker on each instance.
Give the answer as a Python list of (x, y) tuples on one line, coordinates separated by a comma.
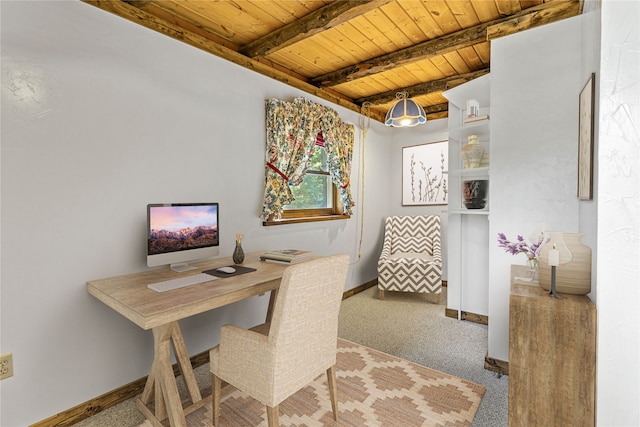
[(181, 282)]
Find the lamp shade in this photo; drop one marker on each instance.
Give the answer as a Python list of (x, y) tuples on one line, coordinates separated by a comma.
[(405, 112)]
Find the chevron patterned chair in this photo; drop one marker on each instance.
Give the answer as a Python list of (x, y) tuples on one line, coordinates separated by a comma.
[(411, 258)]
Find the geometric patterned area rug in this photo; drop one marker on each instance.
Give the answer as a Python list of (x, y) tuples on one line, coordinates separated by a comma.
[(374, 389)]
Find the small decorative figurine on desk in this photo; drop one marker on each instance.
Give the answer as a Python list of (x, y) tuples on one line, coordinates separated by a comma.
[(554, 261), (238, 253)]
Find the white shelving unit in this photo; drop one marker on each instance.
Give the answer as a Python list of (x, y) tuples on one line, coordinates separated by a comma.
[(468, 229)]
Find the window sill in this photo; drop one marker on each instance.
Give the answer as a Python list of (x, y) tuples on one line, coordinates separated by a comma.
[(301, 220)]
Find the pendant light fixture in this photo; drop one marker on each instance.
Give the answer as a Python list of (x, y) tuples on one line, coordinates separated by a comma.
[(405, 112)]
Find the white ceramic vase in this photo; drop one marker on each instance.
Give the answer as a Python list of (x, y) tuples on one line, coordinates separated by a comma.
[(471, 154), (573, 275)]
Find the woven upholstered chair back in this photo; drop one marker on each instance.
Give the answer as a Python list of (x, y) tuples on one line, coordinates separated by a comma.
[(304, 326)]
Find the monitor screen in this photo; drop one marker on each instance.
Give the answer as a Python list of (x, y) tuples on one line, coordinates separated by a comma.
[(178, 233)]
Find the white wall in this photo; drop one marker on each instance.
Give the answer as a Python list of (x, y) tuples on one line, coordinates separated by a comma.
[(432, 131), (618, 207), (100, 117), (571, 51), (534, 114)]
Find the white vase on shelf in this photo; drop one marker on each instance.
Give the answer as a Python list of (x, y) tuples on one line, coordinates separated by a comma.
[(471, 153)]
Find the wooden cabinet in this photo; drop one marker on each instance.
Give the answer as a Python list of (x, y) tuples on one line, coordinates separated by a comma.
[(467, 229), (552, 357)]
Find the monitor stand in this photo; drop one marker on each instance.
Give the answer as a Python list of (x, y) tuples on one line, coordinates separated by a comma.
[(182, 267)]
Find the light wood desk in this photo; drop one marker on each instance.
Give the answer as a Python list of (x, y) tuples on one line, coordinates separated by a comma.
[(129, 296)]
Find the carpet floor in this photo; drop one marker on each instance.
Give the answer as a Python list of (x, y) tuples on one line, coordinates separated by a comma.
[(409, 326), (374, 389)]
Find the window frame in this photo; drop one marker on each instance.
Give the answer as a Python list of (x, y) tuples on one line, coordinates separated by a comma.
[(311, 212), (293, 216)]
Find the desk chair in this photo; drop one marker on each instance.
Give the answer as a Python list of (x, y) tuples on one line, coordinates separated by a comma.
[(273, 361)]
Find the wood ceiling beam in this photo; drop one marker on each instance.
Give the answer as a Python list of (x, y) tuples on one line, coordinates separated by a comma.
[(138, 3), (423, 88), (314, 23), (520, 22), (438, 111), (143, 18), (159, 10), (402, 57), (525, 19)]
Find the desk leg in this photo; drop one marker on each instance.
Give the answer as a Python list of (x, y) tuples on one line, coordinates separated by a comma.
[(161, 383), (272, 303), (180, 350)]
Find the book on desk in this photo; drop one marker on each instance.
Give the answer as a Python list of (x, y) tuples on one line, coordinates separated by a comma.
[(286, 256)]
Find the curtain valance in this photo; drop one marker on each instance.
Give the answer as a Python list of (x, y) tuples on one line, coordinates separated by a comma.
[(294, 129)]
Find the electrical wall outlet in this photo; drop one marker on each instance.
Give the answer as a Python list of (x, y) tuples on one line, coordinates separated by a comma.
[(6, 366)]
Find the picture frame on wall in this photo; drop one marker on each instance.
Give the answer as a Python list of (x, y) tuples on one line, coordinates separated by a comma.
[(585, 140), (424, 174)]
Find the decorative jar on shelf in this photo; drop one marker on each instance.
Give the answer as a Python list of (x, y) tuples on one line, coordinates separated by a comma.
[(474, 193), (471, 154), (573, 273)]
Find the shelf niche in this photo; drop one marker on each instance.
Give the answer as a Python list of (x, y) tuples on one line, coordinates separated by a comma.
[(468, 229)]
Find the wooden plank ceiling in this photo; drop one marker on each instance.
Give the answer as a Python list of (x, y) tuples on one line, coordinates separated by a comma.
[(351, 52)]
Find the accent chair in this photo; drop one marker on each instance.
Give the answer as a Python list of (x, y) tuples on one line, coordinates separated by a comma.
[(411, 258), (274, 360)]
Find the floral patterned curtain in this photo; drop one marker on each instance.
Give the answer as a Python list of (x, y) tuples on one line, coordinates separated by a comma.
[(293, 130), (339, 141)]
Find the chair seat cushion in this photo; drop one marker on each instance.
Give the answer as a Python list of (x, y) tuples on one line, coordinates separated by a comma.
[(413, 255)]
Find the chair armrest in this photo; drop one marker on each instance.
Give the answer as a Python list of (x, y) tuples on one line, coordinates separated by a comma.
[(235, 339), (386, 253), (243, 352), (386, 250)]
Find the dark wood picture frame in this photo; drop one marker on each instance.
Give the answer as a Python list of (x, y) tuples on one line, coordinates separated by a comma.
[(585, 139)]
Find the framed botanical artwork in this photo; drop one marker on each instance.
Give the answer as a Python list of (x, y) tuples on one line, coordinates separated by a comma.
[(585, 140), (424, 178)]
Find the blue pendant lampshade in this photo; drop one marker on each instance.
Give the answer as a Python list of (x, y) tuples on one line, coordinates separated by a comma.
[(405, 112)]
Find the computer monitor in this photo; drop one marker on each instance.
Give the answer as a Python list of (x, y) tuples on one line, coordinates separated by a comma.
[(178, 233)]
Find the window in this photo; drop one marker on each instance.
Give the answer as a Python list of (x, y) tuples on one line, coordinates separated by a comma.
[(296, 139), (316, 196)]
